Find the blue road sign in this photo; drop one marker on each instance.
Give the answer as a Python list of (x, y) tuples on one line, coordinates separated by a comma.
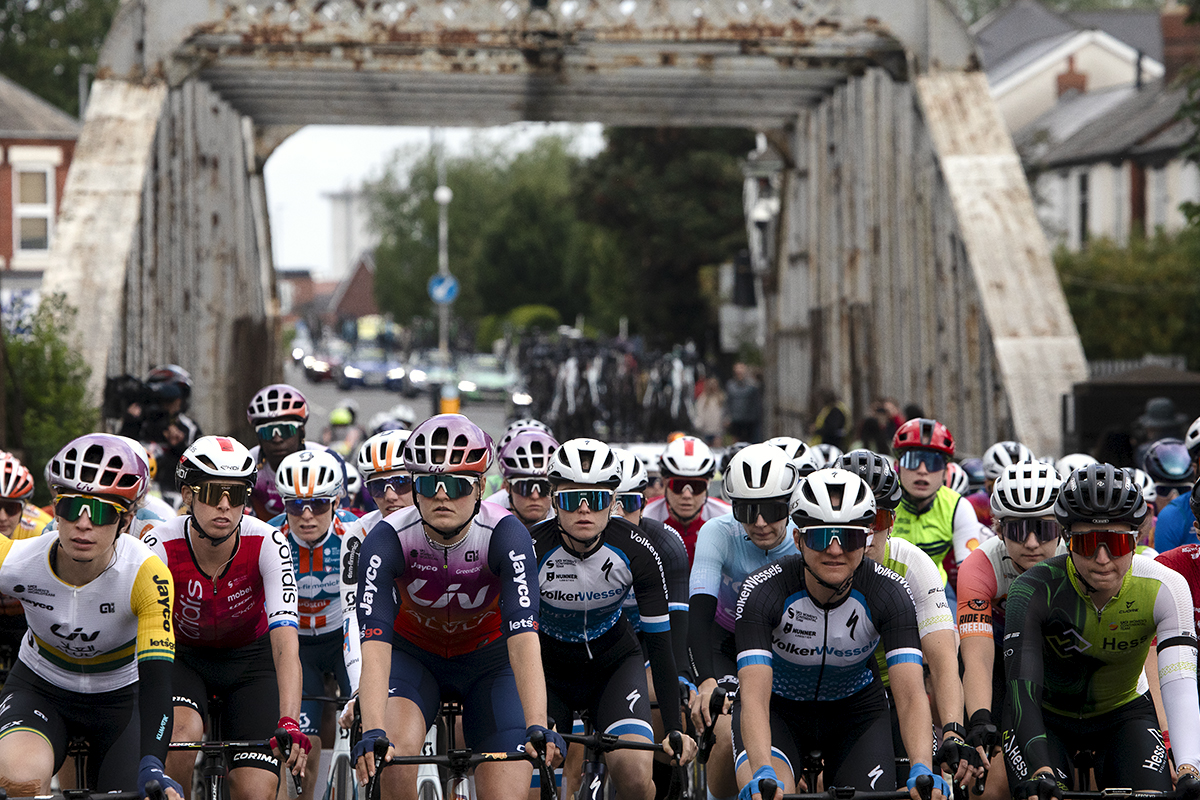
[(443, 289)]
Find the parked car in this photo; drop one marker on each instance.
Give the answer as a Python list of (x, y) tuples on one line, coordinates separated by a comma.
[(372, 366), (429, 369), (485, 377), (325, 364)]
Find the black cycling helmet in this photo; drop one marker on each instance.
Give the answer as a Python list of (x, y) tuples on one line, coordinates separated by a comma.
[(173, 375), (1167, 461), (879, 474), (1100, 493), (1194, 502)]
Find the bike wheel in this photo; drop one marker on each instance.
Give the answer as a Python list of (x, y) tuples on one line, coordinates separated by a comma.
[(428, 791), (341, 780)]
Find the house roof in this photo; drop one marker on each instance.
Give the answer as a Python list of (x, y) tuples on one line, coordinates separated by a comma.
[(1047, 53), (24, 115), (1146, 114), (1141, 29), (1073, 112)]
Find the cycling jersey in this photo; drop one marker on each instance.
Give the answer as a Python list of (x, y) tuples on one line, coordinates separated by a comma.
[(824, 652), (255, 593), (983, 583), (318, 589), (352, 541), (725, 557), (712, 508), (1068, 659), (670, 548), (1173, 527), (1186, 561), (981, 501), (948, 523), (33, 522), (933, 612), (446, 601)]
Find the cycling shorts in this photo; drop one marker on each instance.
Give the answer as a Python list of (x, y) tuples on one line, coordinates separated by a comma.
[(482, 681), (244, 678), (107, 719), (853, 734), (614, 697), (1126, 744), (320, 656)]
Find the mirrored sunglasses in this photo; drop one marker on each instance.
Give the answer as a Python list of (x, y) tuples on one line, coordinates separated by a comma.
[(1119, 543), (750, 512), (318, 505), (1018, 530), (1167, 491), (210, 493), (572, 499), (12, 507), (455, 486), (933, 460), (697, 485), (269, 430), (848, 537), (525, 487), (399, 484), (631, 501), (101, 512)]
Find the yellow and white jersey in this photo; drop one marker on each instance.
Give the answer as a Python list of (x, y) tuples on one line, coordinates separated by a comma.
[(33, 522), (90, 638)]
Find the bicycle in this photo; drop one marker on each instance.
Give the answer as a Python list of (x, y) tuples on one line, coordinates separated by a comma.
[(154, 791), (595, 772), (768, 787), (340, 783)]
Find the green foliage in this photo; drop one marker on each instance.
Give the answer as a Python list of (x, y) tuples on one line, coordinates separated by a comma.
[(528, 317), (44, 42), (1144, 298), (45, 387)]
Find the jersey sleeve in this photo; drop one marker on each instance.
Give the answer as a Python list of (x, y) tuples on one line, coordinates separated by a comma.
[(279, 581), (348, 583), (929, 595), (649, 583), (1024, 728), (976, 590), (708, 560), (759, 608), (1173, 527), (152, 599), (1177, 665), (897, 619), (968, 533), (511, 559), (380, 564)]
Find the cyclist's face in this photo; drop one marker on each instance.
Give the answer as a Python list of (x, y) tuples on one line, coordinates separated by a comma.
[(1101, 570), (833, 564), (1030, 552), (654, 489), (444, 514), (218, 520), (277, 448), (532, 508), (765, 535), (310, 527), (920, 483), (10, 515), (584, 523), (392, 499), (685, 504), (83, 541)]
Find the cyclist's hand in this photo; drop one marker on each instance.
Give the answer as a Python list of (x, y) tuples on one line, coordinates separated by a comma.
[(699, 705), (1188, 786), (983, 734), (751, 789), (151, 769), (688, 749), (347, 718), (1038, 787), (556, 748), (363, 754), (959, 758), (941, 789), (298, 756)]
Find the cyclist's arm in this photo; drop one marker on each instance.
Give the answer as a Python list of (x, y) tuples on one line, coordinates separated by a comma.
[(912, 708), (897, 621), (1025, 746), (512, 560), (279, 587), (1176, 651), (702, 617), (968, 533), (759, 609), (348, 584), (285, 652), (976, 588), (703, 585), (152, 600), (675, 567), (754, 695), (650, 589), (936, 628), (525, 655), (381, 562)]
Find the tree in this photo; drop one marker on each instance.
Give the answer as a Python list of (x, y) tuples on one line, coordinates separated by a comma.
[(43, 43)]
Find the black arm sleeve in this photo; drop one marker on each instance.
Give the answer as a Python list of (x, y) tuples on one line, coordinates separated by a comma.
[(666, 684), (155, 707), (702, 616)]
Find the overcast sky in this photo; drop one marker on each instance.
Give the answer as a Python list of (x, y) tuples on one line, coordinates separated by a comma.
[(330, 158)]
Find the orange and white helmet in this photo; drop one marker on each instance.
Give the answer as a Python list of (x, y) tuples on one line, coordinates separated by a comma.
[(309, 474)]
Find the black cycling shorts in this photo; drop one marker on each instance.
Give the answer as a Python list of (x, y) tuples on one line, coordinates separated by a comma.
[(853, 735), (614, 696), (320, 656), (108, 720), (244, 679)]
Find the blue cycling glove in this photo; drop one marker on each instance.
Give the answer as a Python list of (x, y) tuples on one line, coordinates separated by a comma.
[(366, 745), (552, 737), (151, 769), (939, 783), (747, 792), (691, 686)]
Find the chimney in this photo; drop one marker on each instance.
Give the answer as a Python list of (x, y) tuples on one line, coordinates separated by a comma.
[(1071, 80), (1137, 79)]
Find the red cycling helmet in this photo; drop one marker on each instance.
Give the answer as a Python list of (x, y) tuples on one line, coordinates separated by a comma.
[(16, 482), (927, 434)]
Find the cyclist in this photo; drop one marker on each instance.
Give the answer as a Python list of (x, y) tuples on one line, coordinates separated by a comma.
[(97, 660), (494, 483), (1000, 456), (278, 414), (19, 519), (930, 514), (150, 510), (448, 608), (686, 464), (935, 621), (310, 484), (1174, 524), (1171, 464), (1078, 630), (587, 562), (234, 616), (758, 482), (807, 628), (523, 462), (1023, 509)]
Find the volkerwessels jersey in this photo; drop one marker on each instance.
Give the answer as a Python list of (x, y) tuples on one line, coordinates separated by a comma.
[(675, 565), (725, 557), (90, 638), (824, 652), (255, 593)]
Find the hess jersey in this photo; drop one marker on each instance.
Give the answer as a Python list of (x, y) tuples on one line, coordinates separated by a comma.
[(90, 638), (318, 588), (446, 601), (256, 591), (824, 652)]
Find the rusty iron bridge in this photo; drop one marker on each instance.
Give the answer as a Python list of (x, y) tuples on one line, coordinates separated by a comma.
[(905, 257)]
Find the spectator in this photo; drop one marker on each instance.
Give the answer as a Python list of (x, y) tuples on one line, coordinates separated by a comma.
[(831, 421), (1160, 421), (877, 430), (710, 411), (744, 404)]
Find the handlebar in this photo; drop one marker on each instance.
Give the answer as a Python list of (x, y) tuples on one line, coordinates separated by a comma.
[(607, 742), (283, 740), (768, 787), (708, 737), (154, 791)]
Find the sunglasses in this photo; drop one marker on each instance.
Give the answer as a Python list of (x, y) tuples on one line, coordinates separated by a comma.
[(269, 430), (1165, 491), (572, 499), (848, 537), (933, 460), (697, 485), (210, 493), (318, 505), (1018, 530), (885, 518), (455, 486), (399, 484), (12, 507), (631, 501), (750, 512), (1119, 543), (655, 483), (101, 512), (525, 487)]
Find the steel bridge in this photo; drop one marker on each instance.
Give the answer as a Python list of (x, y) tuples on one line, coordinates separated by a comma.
[(905, 257)]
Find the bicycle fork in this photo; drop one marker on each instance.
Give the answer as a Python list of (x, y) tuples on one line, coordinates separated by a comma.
[(429, 782), (594, 775)]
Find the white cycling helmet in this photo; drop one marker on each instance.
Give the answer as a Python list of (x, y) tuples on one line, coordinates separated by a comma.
[(760, 472), (1142, 479), (813, 500), (1191, 439), (1004, 454), (309, 474), (794, 447), (957, 479), (633, 472), (1025, 490), (688, 457), (1073, 461), (827, 455), (586, 461), (220, 457), (383, 452), (354, 481)]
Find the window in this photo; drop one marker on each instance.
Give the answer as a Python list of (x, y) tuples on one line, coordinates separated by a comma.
[(33, 201), (1083, 207)]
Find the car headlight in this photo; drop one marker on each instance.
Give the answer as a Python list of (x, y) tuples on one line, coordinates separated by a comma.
[(395, 374), (417, 376), (352, 372), (320, 366), (522, 399), (309, 361), (467, 386), (297, 353)]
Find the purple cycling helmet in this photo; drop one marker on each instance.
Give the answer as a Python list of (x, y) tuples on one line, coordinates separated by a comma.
[(99, 464), (527, 454), (448, 443)]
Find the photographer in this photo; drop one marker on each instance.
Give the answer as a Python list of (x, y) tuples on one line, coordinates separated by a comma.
[(153, 413)]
